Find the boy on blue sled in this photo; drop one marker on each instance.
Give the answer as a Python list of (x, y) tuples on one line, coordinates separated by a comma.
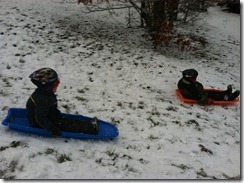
[(192, 89), (42, 107)]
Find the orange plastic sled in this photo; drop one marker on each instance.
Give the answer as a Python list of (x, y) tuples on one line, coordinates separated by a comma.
[(214, 103)]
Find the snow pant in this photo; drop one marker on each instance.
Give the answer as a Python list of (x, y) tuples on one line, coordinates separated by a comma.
[(217, 95), (67, 124)]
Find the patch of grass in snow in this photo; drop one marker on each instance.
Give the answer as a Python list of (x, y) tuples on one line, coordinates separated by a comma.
[(113, 157), (98, 161), (14, 144), (2, 148), (181, 166), (3, 93), (201, 173), (130, 168), (154, 112), (125, 156), (7, 83), (61, 158), (143, 161), (68, 107), (82, 99), (131, 147), (173, 139), (8, 67), (112, 154), (12, 167), (50, 151), (189, 123), (131, 105), (171, 108), (82, 150), (4, 108), (151, 137), (83, 90), (116, 120), (156, 122), (204, 149), (120, 104), (233, 178), (141, 105), (11, 177), (177, 123), (194, 123)]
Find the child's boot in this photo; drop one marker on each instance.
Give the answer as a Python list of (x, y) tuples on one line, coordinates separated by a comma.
[(234, 95)]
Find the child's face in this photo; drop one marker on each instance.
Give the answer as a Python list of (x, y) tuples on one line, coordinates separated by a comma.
[(192, 79), (55, 86)]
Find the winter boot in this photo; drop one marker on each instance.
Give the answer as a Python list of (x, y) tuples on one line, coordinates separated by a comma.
[(229, 89), (226, 97), (234, 95)]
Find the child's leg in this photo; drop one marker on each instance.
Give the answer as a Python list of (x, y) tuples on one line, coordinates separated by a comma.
[(78, 126), (216, 95), (223, 95)]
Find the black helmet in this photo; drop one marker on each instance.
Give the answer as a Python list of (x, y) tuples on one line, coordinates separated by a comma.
[(190, 73), (44, 77)]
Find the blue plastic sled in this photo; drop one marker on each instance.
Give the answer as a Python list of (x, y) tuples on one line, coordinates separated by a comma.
[(16, 119)]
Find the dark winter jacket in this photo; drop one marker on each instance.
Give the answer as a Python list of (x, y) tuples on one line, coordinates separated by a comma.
[(42, 109), (193, 90)]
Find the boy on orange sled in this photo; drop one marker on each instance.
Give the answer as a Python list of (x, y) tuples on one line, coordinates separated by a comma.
[(192, 89)]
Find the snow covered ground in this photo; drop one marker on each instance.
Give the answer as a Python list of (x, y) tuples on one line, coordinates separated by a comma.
[(112, 72)]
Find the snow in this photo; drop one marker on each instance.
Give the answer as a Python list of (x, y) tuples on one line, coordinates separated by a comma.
[(112, 72)]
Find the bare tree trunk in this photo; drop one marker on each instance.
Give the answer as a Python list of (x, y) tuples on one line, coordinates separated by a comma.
[(158, 12), (143, 8), (172, 9)]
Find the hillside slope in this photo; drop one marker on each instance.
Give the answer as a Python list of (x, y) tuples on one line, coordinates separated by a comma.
[(112, 72)]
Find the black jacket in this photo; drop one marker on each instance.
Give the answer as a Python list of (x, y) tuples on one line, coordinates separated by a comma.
[(193, 90), (42, 109), (43, 112)]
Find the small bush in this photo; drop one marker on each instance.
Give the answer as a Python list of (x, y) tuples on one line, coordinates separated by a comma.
[(63, 158)]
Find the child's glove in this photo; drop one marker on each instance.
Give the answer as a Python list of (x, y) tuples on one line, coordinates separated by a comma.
[(55, 131)]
